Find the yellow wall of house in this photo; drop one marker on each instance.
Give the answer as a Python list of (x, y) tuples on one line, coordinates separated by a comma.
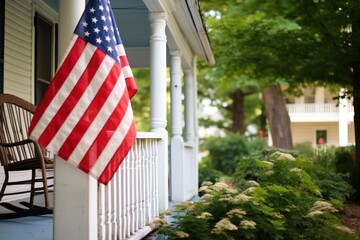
[(306, 132), (329, 96), (309, 96), (351, 132)]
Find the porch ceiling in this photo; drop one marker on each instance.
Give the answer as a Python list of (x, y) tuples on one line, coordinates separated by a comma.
[(132, 18)]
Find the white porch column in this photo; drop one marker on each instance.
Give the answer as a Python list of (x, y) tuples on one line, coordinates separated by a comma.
[(190, 160), (196, 127), (158, 97), (70, 12), (176, 94), (189, 106), (270, 142), (177, 143), (75, 197), (343, 121)]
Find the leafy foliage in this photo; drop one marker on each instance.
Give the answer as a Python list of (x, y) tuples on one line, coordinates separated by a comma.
[(331, 184), (207, 172), (272, 198), (296, 43), (140, 103), (345, 163), (226, 213), (225, 152), (269, 41)]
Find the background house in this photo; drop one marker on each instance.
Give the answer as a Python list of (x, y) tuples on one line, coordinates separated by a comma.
[(319, 118)]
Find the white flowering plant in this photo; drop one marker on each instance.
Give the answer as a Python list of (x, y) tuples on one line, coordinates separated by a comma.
[(291, 190), (224, 212), (278, 200)]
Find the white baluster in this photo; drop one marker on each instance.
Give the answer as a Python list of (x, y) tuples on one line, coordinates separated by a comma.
[(101, 213)]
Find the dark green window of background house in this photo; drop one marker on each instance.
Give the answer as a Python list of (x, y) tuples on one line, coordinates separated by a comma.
[(321, 137)]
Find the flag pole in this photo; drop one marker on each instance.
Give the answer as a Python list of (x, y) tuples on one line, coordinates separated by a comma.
[(75, 192)]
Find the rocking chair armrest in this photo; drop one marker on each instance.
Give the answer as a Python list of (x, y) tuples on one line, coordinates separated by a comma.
[(38, 148), (22, 142)]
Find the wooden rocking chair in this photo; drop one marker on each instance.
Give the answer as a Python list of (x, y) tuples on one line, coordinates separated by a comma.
[(19, 153)]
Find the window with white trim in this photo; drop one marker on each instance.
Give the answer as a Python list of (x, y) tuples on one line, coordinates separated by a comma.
[(45, 54)]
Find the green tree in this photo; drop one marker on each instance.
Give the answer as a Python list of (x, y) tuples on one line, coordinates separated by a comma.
[(227, 31), (141, 101), (237, 99), (310, 42)]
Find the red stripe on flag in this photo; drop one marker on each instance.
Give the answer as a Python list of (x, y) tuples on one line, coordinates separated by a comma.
[(119, 156), (91, 112), (58, 80), (131, 86), (124, 61), (105, 134), (74, 96), (130, 81)]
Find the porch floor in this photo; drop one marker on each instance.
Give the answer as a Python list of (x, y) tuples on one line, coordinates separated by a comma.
[(27, 228), (40, 227)]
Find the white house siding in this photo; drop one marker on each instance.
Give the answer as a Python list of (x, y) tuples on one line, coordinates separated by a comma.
[(18, 62), (306, 132), (18, 71)]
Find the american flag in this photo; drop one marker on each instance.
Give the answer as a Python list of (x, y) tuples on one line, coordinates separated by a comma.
[(85, 115)]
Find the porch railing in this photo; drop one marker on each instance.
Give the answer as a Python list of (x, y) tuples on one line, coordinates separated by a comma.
[(131, 199), (316, 108), (312, 108)]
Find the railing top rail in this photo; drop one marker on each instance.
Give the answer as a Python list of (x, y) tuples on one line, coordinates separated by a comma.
[(311, 104), (148, 135), (310, 108)]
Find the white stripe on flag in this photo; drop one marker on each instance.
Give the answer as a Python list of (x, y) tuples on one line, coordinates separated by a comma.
[(127, 71), (83, 103), (120, 50), (63, 92), (113, 145), (98, 123)]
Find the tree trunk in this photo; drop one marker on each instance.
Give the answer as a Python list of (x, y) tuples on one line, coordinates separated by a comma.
[(278, 117), (356, 102), (356, 97), (238, 111)]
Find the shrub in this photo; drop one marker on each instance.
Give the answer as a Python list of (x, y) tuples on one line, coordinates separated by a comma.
[(330, 183), (225, 213), (320, 164), (225, 152), (276, 200), (345, 163), (345, 159), (325, 157), (207, 173), (306, 149)]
